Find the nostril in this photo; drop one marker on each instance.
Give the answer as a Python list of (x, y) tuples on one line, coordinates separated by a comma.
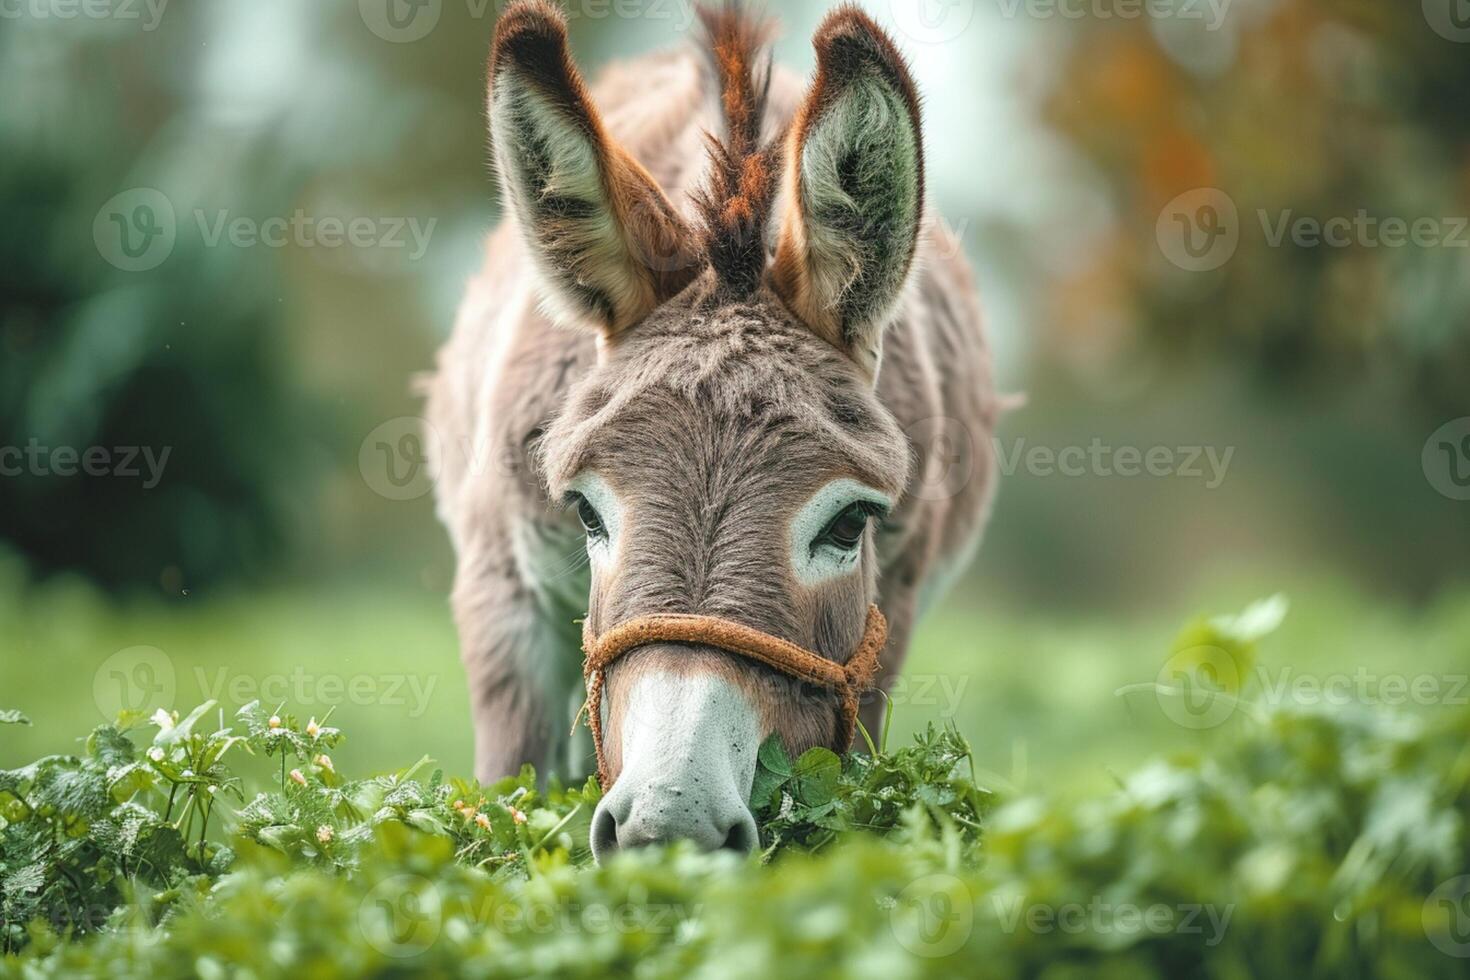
[(742, 836), (604, 832)]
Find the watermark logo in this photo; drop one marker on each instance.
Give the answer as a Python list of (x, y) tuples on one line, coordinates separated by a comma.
[(400, 21), (401, 916), (136, 230), (139, 679), (945, 452), (1196, 687), (1446, 917), (1199, 230), (1450, 19), (932, 21), (933, 916), (396, 458), (1446, 459)]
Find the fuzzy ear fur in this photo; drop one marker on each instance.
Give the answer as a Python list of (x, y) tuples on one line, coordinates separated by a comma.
[(854, 188), (608, 244)]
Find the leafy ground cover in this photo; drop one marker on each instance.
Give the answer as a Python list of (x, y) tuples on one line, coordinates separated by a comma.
[(1314, 840)]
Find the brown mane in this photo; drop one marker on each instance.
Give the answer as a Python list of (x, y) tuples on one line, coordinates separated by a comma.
[(736, 202)]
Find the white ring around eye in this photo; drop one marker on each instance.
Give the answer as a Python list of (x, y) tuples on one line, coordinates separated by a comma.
[(605, 502), (814, 566)]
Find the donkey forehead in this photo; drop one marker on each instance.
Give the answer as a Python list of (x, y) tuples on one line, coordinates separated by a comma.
[(738, 427)]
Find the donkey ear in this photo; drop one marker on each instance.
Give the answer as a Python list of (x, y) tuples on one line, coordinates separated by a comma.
[(608, 244), (854, 188)]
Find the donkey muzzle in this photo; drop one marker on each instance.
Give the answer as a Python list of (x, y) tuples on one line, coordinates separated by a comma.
[(687, 744)]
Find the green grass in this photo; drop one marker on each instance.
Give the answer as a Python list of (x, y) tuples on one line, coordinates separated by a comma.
[(1329, 841)]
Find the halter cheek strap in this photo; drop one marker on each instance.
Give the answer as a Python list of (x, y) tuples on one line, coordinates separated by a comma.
[(848, 681)]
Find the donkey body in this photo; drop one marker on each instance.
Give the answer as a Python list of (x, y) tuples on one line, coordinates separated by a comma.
[(709, 408)]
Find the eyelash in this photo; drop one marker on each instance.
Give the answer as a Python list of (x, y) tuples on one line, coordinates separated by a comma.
[(596, 527), (866, 509)]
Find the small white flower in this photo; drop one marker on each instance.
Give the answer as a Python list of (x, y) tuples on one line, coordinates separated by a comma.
[(297, 777), (274, 722), (187, 774), (313, 729), (324, 834), (325, 761), (156, 754), (788, 805), (164, 720)]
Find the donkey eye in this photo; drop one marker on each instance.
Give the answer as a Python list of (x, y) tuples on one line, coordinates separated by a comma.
[(845, 532), (591, 520)]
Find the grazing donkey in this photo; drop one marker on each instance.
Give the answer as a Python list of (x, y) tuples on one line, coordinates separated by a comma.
[(717, 329)]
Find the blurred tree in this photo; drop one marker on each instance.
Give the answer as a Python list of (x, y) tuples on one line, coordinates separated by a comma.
[(149, 352), (1293, 109)]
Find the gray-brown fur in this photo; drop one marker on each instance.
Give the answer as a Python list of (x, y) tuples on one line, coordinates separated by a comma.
[(714, 416)]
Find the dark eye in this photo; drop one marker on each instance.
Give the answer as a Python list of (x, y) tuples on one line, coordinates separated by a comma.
[(591, 520), (845, 532)]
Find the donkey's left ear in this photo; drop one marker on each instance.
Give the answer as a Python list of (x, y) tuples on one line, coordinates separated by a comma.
[(854, 188), (608, 244)]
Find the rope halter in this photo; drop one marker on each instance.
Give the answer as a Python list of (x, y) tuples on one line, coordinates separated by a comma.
[(848, 681)]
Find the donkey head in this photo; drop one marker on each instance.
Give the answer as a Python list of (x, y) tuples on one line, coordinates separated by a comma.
[(728, 455)]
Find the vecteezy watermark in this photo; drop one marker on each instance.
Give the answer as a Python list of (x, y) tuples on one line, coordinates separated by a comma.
[(138, 679), (125, 462), (1363, 230), (1450, 19), (1200, 230), (932, 21), (405, 21), (1100, 917), (303, 688), (1207, 463), (1211, 13), (149, 12), (401, 916), (1200, 688), (1446, 459), (138, 229), (142, 679), (637, 915), (933, 916), (302, 230), (1446, 917), (397, 459)]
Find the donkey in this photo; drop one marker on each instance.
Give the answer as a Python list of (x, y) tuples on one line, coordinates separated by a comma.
[(711, 347)]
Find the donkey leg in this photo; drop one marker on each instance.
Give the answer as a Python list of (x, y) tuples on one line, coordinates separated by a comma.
[(510, 653)]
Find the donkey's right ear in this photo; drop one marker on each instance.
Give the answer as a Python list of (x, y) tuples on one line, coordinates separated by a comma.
[(608, 244)]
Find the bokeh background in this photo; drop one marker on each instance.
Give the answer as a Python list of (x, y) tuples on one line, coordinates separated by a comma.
[(1135, 182)]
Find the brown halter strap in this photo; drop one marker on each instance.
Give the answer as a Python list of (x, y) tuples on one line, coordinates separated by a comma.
[(849, 681)]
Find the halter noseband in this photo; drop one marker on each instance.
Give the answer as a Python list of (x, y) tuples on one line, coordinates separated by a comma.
[(849, 681)]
